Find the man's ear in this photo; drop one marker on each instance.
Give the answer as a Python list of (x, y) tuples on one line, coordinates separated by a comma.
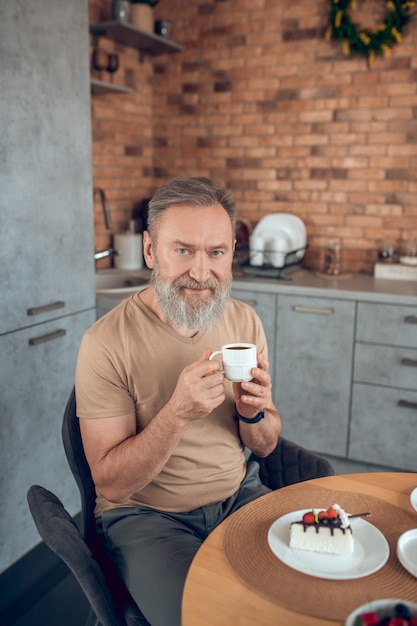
[(148, 250)]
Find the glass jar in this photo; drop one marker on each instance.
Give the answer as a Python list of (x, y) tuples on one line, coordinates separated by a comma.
[(332, 258), (408, 252)]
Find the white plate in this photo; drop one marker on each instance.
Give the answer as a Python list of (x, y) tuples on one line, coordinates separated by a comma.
[(382, 607), (371, 551), (292, 225), (413, 498), (407, 551)]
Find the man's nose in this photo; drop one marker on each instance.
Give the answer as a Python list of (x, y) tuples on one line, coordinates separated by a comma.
[(200, 268)]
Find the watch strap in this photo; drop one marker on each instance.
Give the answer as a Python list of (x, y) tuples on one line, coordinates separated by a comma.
[(247, 420)]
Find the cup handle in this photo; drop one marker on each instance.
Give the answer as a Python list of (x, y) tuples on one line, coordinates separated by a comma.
[(213, 355)]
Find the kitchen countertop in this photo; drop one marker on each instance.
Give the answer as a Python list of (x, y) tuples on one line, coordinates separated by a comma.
[(353, 287), (309, 283)]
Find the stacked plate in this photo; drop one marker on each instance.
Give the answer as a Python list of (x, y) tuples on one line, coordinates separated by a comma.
[(278, 239)]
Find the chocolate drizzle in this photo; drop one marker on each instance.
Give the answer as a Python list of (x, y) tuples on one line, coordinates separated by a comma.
[(319, 524)]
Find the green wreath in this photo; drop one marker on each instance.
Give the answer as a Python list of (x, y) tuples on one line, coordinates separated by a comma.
[(368, 43)]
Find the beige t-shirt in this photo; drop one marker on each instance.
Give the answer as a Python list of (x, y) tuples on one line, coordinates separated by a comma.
[(129, 359)]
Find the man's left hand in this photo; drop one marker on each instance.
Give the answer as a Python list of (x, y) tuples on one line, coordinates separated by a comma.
[(254, 395)]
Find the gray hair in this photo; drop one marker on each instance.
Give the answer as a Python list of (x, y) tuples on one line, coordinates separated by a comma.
[(194, 192)]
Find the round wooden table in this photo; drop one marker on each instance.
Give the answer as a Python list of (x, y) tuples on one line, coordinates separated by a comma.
[(215, 595)]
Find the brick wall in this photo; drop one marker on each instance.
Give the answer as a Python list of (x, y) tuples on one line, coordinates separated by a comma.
[(260, 101)]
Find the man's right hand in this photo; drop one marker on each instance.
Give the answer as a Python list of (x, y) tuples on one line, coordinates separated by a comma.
[(199, 389)]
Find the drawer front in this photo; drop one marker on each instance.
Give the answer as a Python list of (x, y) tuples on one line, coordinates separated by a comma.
[(385, 365), (389, 324), (383, 426)]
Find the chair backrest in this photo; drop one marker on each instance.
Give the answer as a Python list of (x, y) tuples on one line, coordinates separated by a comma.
[(74, 451), (73, 445), (289, 463), (60, 533)]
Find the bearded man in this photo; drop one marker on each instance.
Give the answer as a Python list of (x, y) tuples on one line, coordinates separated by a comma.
[(163, 430)]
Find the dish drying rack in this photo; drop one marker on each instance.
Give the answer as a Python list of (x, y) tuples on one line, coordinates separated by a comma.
[(292, 263)]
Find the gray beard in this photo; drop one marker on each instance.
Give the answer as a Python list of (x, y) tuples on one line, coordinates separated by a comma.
[(191, 314)]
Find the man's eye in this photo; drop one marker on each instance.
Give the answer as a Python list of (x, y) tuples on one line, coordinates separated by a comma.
[(182, 251), (217, 253)]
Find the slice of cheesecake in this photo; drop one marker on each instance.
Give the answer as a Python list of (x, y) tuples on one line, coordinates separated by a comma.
[(327, 531)]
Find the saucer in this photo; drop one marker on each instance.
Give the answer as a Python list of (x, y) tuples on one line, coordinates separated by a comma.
[(407, 551)]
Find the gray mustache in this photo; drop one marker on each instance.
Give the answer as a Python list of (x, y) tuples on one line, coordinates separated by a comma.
[(190, 283)]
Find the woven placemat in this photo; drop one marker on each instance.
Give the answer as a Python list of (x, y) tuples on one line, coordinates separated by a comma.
[(247, 549)]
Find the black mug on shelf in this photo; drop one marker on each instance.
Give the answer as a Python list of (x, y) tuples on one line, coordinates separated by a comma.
[(99, 60)]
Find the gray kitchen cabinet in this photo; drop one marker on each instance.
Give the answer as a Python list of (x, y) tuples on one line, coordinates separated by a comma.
[(46, 239), (313, 362), (46, 248), (384, 395), (34, 389), (345, 365), (265, 306)]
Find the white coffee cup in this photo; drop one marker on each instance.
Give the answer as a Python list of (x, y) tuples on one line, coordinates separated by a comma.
[(239, 359)]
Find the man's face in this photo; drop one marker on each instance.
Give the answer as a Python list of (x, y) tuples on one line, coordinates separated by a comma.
[(192, 258)]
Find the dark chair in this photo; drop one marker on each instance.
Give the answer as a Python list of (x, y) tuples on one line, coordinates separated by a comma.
[(289, 463), (111, 603), (60, 533), (71, 437)]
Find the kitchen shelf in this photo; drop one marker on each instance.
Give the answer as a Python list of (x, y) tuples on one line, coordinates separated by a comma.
[(99, 87), (133, 37)]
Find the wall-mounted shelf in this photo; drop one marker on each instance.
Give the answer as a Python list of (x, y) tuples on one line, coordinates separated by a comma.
[(133, 37), (99, 87)]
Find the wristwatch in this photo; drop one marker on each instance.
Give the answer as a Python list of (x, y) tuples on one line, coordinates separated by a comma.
[(247, 420)]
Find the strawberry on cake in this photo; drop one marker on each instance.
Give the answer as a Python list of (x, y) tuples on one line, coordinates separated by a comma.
[(327, 531)]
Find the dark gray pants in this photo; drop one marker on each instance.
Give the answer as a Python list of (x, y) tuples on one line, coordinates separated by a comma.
[(153, 549)]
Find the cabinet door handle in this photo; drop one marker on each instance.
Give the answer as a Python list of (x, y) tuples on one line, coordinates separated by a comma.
[(407, 404), (407, 361), (410, 319), (321, 310), (37, 310), (35, 341)]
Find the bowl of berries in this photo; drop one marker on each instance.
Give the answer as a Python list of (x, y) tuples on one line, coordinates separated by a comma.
[(389, 612)]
